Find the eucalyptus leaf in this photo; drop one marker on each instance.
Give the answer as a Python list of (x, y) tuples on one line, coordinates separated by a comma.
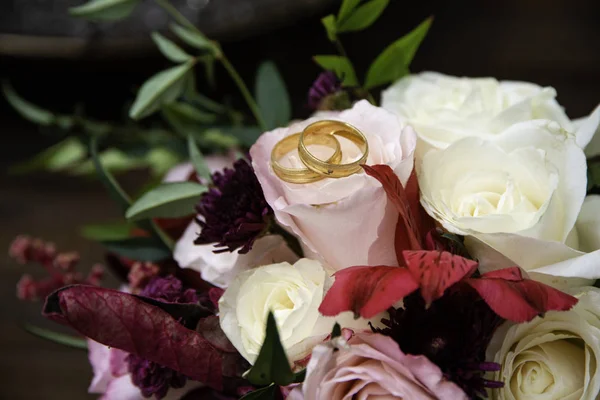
[(346, 9), (107, 232), (161, 160), (27, 110), (113, 160), (341, 66), (60, 156), (394, 61), (330, 27), (272, 96), (191, 113), (193, 38), (105, 10), (363, 17), (138, 248), (266, 393), (57, 337), (245, 135), (198, 160), (114, 189), (170, 49), (169, 200), (162, 88), (272, 364)]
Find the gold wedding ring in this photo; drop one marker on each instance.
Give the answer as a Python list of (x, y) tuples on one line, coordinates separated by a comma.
[(302, 175), (327, 128)]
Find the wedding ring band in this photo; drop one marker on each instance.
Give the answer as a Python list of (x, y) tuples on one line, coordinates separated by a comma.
[(331, 127), (302, 175)]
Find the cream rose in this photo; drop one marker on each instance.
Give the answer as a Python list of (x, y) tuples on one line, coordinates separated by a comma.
[(552, 358), (444, 109), (293, 294), (346, 221), (530, 181)]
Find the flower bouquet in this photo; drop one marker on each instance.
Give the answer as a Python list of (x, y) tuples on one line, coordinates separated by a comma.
[(442, 245)]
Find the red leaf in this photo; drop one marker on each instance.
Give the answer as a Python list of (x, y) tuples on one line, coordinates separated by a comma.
[(436, 271), (367, 291), (126, 322), (407, 229), (518, 299)]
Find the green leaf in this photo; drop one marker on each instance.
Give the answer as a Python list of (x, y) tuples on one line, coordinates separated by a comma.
[(114, 189), (138, 248), (170, 49), (58, 157), (162, 88), (105, 10), (329, 24), (219, 139), (169, 200), (346, 9), (341, 66), (300, 376), (272, 96), (244, 135), (198, 160), (266, 393), (272, 364), (394, 61), (57, 337), (107, 232), (190, 113), (113, 160), (27, 110), (161, 160), (193, 38), (363, 16)]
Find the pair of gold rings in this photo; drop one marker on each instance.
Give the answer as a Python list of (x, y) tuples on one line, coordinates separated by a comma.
[(319, 133)]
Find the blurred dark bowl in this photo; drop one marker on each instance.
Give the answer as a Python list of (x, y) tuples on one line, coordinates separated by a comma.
[(43, 28)]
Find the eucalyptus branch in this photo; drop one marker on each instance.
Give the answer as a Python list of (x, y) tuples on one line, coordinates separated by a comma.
[(177, 16)]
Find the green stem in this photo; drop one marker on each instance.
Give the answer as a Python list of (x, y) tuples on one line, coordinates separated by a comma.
[(177, 16), (290, 239), (342, 51), (244, 90)]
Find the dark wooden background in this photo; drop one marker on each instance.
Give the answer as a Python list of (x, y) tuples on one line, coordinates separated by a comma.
[(549, 42)]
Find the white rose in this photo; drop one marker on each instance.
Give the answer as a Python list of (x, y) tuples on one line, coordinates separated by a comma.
[(221, 268), (444, 109), (346, 221), (574, 262), (293, 294), (552, 358), (529, 181)]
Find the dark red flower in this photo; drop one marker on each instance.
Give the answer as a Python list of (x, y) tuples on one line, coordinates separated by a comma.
[(234, 212)]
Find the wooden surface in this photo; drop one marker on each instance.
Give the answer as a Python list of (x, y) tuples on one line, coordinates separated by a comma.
[(552, 43)]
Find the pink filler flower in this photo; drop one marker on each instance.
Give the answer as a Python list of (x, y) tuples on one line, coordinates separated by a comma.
[(368, 365)]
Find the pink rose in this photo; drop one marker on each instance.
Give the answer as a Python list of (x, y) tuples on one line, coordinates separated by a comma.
[(372, 366), (112, 378), (346, 221)]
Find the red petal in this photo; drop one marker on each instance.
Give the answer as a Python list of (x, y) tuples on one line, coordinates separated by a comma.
[(367, 291), (436, 271), (407, 230), (126, 322), (518, 299)]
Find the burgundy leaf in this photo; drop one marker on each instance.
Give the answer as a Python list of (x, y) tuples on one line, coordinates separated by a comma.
[(407, 229), (367, 291), (519, 299), (126, 322), (436, 271), (210, 329)]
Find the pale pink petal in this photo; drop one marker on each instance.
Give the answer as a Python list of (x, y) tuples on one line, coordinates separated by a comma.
[(99, 356)]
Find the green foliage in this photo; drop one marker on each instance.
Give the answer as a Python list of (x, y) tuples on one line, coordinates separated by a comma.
[(329, 24), (33, 113), (170, 49), (114, 189), (394, 61), (194, 38), (163, 88), (138, 248), (190, 113), (271, 365), (61, 156), (57, 337), (346, 9), (107, 232), (271, 96), (197, 159), (341, 66), (169, 200), (593, 174), (105, 10), (362, 17)]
